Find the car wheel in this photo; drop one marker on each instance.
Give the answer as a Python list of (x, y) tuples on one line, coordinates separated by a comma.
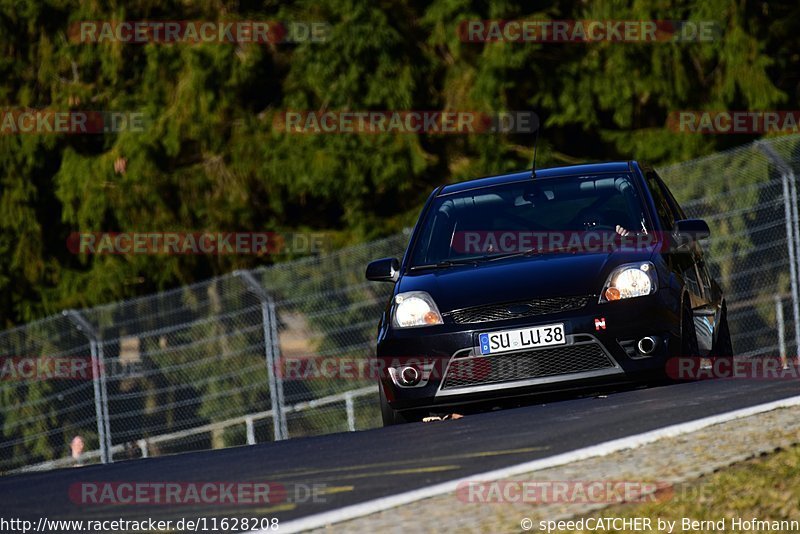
[(722, 345), (389, 415), (684, 346), (689, 348)]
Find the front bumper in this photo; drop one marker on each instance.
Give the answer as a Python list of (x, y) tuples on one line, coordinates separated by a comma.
[(600, 349)]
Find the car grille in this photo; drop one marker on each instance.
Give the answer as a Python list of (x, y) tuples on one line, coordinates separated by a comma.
[(493, 369), (514, 310)]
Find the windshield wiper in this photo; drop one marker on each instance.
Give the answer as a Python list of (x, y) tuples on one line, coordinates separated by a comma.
[(526, 253), (449, 263), (488, 258)]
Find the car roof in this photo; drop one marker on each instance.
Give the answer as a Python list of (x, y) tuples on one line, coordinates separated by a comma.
[(553, 172)]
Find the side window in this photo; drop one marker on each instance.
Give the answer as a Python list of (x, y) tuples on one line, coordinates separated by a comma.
[(676, 208), (663, 209)]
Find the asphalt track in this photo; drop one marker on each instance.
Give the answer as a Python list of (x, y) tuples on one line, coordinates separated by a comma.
[(361, 466)]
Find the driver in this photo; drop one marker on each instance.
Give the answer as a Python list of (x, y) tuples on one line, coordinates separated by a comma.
[(590, 219), (622, 231)]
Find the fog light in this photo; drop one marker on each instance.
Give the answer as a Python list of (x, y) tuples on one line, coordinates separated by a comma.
[(409, 376)]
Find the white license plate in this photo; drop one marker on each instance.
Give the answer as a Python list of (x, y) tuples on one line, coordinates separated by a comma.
[(524, 338)]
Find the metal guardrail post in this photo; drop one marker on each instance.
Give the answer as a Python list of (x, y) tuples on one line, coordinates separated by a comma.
[(251, 430), (98, 382), (781, 330), (792, 230), (271, 352), (351, 413)]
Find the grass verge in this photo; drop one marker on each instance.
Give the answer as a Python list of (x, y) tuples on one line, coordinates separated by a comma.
[(766, 488)]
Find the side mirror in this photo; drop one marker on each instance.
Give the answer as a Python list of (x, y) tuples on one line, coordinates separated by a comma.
[(383, 270), (689, 230)]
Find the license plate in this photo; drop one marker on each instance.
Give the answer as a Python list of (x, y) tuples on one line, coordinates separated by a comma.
[(524, 338)]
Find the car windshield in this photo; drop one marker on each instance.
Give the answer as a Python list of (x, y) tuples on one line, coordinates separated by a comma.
[(492, 222)]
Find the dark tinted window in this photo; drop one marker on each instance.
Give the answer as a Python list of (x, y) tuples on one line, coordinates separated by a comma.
[(676, 208), (565, 204), (663, 208)]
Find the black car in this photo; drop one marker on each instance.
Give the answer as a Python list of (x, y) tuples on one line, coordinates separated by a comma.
[(538, 282)]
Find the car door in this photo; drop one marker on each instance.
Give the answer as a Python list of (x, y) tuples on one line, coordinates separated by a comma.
[(705, 305)]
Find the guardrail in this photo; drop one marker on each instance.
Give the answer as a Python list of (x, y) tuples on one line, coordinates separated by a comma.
[(248, 420)]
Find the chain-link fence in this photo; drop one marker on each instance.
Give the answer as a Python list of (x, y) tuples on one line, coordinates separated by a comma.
[(748, 197), (191, 368)]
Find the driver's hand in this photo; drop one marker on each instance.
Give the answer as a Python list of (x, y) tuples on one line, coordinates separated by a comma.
[(622, 231)]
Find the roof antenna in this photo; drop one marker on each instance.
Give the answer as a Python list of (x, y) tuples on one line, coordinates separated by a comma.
[(535, 144)]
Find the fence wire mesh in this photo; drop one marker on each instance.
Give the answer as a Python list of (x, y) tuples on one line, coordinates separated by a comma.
[(189, 369), (750, 213)]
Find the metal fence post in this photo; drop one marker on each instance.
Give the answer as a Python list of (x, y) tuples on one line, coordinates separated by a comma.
[(792, 230), (796, 219), (271, 352), (275, 348), (98, 382)]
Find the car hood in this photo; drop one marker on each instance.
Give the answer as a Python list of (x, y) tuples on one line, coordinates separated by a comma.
[(516, 279)]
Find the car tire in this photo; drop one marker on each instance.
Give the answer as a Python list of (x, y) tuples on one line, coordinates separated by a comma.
[(723, 348), (389, 415), (682, 346), (689, 347)]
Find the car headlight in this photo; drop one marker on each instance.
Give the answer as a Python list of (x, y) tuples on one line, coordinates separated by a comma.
[(630, 280), (415, 308)]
